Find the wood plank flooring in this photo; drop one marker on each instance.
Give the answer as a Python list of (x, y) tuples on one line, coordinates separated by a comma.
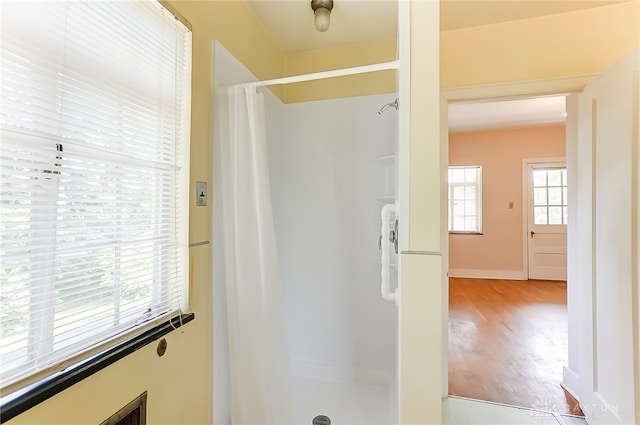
[(508, 342)]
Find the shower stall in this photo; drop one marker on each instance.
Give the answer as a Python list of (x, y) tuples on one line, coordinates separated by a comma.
[(302, 332)]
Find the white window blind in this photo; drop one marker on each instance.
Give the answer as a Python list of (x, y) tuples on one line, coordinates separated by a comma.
[(465, 199), (95, 119)]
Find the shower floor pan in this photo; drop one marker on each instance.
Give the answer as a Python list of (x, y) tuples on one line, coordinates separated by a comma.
[(345, 403)]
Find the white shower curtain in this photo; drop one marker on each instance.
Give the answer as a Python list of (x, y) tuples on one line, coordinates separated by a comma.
[(259, 376)]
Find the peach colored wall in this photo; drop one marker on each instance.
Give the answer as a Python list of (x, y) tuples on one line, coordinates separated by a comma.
[(500, 153)]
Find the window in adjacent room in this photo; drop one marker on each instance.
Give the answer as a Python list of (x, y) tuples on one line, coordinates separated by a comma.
[(550, 196), (465, 199), (95, 118)]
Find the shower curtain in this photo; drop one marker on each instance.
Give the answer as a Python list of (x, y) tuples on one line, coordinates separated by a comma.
[(259, 375)]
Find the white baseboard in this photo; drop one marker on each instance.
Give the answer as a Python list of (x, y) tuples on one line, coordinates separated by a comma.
[(488, 274), (570, 382)]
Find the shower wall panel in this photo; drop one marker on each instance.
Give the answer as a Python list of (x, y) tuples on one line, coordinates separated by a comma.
[(339, 328), (325, 177)]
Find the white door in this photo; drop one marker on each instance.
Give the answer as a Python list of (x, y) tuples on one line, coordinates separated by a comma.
[(608, 243), (547, 219)]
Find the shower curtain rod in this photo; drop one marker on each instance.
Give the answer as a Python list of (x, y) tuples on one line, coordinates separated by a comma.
[(325, 74)]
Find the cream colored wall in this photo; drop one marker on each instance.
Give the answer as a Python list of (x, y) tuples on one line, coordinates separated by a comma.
[(582, 42), (498, 251), (338, 58), (178, 384)]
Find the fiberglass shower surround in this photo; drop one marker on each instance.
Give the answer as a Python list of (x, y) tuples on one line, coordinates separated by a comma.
[(301, 214)]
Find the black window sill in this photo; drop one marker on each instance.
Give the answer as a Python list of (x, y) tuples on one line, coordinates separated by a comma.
[(22, 400)]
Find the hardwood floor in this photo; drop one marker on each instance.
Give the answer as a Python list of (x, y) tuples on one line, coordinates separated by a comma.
[(508, 342)]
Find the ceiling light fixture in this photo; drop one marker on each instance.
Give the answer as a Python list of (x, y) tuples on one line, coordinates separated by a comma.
[(322, 14)]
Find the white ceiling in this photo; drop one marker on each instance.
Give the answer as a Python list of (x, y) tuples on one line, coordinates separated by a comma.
[(474, 116)]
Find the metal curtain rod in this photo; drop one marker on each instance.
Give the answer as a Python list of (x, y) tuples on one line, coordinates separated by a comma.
[(325, 74)]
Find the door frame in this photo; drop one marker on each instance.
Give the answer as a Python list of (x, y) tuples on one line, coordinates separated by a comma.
[(602, 238), (526, 162), (567, 85)]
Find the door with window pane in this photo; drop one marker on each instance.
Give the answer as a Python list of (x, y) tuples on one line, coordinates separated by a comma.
[(547, 220)]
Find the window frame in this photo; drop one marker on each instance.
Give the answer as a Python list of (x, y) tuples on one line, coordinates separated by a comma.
[(546, 204), (115, 346), (478, 201)]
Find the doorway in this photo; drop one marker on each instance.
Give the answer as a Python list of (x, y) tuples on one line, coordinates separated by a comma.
[(602, 151), (509, 335), (545, 185)]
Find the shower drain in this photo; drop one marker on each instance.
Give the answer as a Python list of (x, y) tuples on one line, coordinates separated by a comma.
[(321, 420)]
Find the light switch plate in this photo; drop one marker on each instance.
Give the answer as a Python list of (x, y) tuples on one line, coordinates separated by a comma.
[(201, 194)]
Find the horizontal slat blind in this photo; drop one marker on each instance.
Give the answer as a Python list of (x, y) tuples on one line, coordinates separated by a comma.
[(95, 116)]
